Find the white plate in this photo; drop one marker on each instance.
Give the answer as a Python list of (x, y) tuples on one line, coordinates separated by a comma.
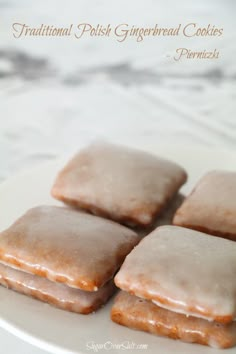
[(62, 332)]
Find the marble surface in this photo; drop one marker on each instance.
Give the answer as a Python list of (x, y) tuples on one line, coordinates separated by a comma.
[(58, 93)]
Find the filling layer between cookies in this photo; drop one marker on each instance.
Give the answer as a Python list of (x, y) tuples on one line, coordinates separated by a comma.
[(136, 313), (57, 294)]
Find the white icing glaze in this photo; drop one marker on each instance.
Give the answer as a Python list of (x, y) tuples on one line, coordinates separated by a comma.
[(141, 314), (186, 313), (212, 204), (123, 183), (185, 270), (58, 294), (68, 246)]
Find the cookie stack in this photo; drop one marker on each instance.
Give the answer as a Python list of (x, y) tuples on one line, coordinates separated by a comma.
[(64, 257), (180, 283), (68, 257)]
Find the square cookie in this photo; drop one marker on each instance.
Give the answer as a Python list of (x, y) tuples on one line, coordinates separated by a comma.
[(184, 271), (123, 184), (140, 314), (56, 294), (211, 207), (66, 246)]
